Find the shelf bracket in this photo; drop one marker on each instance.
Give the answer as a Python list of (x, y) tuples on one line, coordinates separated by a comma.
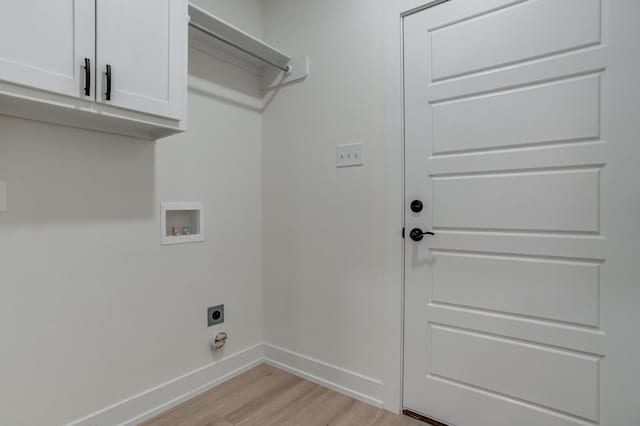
[(272, 79)]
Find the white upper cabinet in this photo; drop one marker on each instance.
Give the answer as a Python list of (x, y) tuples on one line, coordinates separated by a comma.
[(43, 44), (142, 50)]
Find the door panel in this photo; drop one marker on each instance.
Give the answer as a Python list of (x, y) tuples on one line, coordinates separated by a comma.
[(48, 53), (560, 200), (567, 25), (531, 286), (517, 310), (561, 111), (549, 377), (145, 43)]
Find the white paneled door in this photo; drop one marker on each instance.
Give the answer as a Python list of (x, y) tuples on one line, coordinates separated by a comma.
[(49, 44), (142, 57), (521, 142)]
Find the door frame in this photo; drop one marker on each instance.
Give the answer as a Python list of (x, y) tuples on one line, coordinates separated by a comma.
[(394, 14)]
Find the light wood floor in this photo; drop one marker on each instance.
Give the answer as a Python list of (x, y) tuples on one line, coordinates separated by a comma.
[(268, 396)]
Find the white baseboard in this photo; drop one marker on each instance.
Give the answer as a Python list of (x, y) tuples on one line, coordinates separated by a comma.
[(344, 381), (152, 402)]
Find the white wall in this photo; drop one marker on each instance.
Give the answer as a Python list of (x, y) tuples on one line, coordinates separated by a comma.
[(92, 309), (324, 241)]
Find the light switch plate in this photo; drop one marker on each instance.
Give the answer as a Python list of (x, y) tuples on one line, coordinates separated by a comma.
[(3, 195), (349, 155)]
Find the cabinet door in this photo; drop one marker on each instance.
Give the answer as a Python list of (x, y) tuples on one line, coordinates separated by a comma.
[(43, 44), (144, 43)]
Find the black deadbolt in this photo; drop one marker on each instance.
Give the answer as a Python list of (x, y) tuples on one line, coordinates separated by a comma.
[(416, 206)]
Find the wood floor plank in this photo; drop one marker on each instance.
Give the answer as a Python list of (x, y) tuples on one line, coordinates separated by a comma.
[(278, 404), (297, 406), (268, 396), (259, 402), (246, 396), (325, 412), (359, 414)]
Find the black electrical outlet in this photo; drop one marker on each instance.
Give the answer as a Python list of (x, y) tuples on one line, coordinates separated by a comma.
[(215, 315)]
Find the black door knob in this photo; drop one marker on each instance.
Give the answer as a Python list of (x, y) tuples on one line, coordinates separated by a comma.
[(416, 206), (416, 234)]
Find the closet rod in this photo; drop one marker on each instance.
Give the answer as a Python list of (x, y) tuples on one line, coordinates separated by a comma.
[(285, 68)]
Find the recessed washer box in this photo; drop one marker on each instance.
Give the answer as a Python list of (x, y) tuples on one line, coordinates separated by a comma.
[(182, 223)]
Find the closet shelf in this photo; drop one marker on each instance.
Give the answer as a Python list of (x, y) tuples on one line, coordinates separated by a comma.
[(214, 36)]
